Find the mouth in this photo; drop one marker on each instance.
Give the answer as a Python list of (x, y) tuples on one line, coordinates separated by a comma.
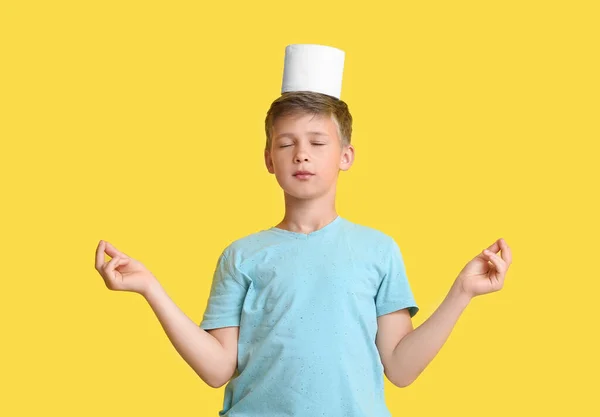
[(303, 176)]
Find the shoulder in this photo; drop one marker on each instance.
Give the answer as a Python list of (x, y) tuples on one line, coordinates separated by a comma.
[(370, 237), (246, 247)]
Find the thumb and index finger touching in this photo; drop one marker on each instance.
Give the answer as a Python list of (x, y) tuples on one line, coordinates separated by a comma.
[(501, 244), (105, 246)]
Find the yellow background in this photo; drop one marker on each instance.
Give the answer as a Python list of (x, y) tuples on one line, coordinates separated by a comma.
[(142, 123)]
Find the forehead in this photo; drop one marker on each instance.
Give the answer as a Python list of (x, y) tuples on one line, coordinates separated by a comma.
[(304, 124)]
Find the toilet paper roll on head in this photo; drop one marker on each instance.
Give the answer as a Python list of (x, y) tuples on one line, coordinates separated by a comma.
[(311, 67)]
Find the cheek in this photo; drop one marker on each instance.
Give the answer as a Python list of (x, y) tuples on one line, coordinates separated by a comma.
[(334, 162)]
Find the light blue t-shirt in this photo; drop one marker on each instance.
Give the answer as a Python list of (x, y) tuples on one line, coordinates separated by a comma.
[(307, 307)]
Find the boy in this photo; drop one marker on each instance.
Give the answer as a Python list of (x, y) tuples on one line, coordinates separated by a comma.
[(305, 318)]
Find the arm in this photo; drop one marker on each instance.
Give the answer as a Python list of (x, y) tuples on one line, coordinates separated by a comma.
[(211, 360), (405, 352), (418, 347)]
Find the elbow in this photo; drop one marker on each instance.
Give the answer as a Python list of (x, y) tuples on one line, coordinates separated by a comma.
[(216, 385), (220, 372), (208, 382), (213, 383), (219, 380), (400, 382)]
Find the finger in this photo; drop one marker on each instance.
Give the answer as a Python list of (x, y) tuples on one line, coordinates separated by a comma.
[(110, 267), (494, 247), (121, 262), (100, 255), (506, 252), (501, 268), (498, 262), (112, 251), (501, 244)]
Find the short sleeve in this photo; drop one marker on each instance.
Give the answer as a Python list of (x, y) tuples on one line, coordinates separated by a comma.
[(226, 297), (394, 292)]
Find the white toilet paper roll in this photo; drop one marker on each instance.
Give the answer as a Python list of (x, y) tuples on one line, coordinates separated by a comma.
[(312, 67)]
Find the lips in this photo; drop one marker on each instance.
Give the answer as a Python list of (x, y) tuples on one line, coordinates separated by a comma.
[(303, 175)]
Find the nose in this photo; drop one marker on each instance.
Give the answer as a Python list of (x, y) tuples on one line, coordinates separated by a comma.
[(301, 154)]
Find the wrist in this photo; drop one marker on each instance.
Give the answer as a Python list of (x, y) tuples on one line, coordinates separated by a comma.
[(458, 293), (152, 288)]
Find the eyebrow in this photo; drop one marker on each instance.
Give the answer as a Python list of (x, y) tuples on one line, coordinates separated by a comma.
[(281, 135)]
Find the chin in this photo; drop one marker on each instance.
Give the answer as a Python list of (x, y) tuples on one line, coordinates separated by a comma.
[(304, 194)]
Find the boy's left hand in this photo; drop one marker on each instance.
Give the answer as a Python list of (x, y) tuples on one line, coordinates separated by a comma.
[(479, 276)]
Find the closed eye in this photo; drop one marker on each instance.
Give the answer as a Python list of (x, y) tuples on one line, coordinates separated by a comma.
[(318, 144)]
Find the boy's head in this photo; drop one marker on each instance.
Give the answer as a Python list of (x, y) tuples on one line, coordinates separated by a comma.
[(292, 144)]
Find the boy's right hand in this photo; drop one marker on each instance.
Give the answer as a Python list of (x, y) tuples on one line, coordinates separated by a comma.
[(122, 272)]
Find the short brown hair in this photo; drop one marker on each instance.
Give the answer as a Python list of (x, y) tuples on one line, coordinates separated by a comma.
[(310, 102)]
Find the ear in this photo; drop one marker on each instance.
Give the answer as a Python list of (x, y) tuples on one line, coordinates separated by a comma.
[(269, 162), (347, 157)]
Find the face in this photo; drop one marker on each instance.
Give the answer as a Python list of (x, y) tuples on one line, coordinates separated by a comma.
[(309, 143)]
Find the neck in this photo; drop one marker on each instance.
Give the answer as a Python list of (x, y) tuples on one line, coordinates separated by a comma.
[(307, 216)]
